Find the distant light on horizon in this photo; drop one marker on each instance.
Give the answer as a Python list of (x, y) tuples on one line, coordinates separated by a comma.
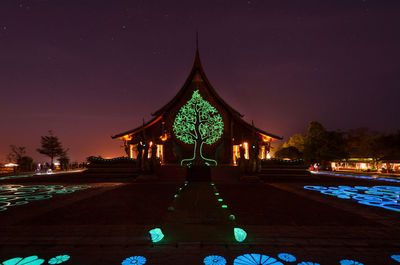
[(11, 165)]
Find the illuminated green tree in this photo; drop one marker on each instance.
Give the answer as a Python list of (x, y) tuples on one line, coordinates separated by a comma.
[(198, 123)]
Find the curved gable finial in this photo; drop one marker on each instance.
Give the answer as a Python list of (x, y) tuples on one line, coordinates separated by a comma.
[(197, 41), (197, 62)]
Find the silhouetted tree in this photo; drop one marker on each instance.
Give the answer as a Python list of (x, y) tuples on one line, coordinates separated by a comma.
[(296, 140), (323, 146), (17, 155), (356, 139), (363, 143), (64, 161), (290, 152), (51, 147), (320, 145), (25, 163), (391, 144)]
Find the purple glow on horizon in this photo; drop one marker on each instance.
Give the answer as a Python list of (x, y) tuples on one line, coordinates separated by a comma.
[(116, 62)]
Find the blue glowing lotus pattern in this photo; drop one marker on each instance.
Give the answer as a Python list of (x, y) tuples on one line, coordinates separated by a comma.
[(134, 260), (255, 259), (31, 260), (287, 257), (373, 177), (246, 259), (396, 257), (349, 262), (214, 260), (59, 259), (387, 197), (13, 195)]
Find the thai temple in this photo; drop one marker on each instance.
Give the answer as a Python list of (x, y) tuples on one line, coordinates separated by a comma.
[(197, 126)]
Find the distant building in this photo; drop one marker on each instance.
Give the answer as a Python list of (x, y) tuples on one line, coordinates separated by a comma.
[(225, 136), (390, 164), (385, 165), (357, 164)]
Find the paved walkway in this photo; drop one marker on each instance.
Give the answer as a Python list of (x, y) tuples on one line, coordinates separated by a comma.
[(109, 222)]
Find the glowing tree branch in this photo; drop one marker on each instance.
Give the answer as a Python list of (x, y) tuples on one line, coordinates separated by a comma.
[(198, 123)]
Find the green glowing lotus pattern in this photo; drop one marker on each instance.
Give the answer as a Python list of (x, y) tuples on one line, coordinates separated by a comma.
[(14, 195)]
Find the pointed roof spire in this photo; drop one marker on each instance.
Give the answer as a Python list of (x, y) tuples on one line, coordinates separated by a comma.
[(197, 41), (197, 62)]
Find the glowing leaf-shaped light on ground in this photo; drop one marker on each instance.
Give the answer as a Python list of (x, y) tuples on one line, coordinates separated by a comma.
[(214, 260), (255, 259), (396, 257), (240, 234), (31, 260), (59, 259), (198, 123), (349, 262), (134, 260), (307, 263), (156, 235), (287, 257)]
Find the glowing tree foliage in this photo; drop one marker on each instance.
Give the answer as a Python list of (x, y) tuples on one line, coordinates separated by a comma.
[(198, 123)]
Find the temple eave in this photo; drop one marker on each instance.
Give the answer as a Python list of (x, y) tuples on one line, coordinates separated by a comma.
[(137, 129)]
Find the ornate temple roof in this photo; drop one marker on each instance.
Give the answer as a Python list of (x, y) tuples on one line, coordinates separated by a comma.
[(197, 73)]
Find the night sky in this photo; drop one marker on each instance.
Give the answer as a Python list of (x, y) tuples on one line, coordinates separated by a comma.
[(91, 69)]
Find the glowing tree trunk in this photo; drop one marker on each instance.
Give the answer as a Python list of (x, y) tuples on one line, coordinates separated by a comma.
[(198, 123)]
